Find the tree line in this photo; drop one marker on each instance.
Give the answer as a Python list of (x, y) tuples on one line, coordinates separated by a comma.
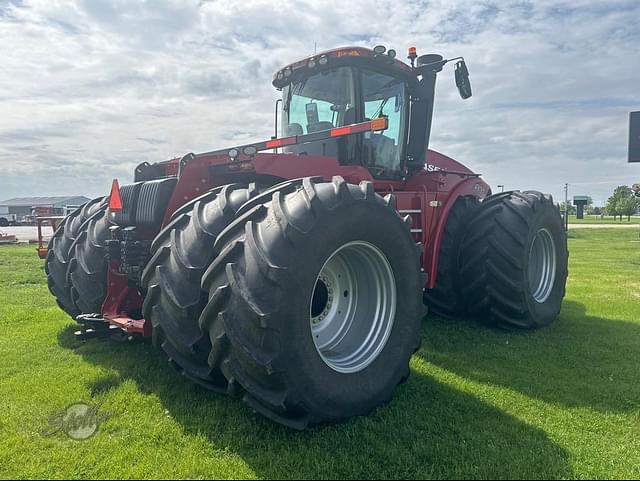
[(623, 202)]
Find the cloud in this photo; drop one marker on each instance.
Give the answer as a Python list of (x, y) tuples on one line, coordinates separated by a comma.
[(90, 88)]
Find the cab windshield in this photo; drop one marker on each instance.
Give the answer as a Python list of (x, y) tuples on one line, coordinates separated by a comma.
[(330, 99), (320, 102)]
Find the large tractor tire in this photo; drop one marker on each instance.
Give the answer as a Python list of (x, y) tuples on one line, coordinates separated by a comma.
[(314, 302), (514, 260), (57, 263), (88, 263), (174, 301), (446, 298)]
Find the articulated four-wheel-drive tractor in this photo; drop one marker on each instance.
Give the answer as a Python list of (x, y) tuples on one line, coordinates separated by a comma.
[(295, 272)]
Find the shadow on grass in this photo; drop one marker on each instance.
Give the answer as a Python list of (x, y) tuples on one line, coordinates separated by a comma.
[(579, 361), (429, 430)]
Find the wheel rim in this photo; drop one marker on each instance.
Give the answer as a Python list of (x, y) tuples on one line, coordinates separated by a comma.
[(353, 307), (542, 266)]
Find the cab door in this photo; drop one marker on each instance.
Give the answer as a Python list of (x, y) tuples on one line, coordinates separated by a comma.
[(383, 96)]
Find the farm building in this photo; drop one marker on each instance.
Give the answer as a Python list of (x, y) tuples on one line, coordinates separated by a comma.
[(27, 206)]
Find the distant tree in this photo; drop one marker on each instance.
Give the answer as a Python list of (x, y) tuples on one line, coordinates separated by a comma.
[(596, 211), (623, 191), (629, 206), (612, 205), (622, 202), (571, 209), (588, 209)]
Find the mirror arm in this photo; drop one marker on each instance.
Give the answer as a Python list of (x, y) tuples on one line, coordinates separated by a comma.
[(423, 69)]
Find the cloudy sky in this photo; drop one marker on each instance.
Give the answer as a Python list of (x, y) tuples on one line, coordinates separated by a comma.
[(90, 88)]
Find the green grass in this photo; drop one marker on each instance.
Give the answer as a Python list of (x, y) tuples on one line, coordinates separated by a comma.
[(562, 402), (607, 219)]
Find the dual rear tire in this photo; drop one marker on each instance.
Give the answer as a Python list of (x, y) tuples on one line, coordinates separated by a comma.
[(76, 261), (308, 304), (502, 261)]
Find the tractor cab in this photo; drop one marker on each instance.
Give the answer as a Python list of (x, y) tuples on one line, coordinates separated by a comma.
[(347, 86)]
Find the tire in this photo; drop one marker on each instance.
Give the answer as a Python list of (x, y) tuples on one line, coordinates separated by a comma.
[(446, 299), (506, 245), (88, 264), (57, 262), (263, 287), (4, 222), (180, 254)]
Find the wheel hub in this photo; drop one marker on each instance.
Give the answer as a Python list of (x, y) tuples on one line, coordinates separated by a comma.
[(322, 299), (542, 266), (353, 307)]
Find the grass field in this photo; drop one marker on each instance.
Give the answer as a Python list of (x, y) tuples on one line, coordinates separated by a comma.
[(563, 402), (596, 219)]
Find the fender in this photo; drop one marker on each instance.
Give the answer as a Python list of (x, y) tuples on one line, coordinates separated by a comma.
[(471, 186), (451, 180)]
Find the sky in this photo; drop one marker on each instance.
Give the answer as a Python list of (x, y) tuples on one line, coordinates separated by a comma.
[(91, 88)]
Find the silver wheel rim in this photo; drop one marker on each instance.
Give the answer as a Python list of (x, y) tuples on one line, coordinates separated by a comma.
[(542, 266), (353, 307)]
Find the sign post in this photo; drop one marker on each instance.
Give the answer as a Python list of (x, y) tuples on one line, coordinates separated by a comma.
[(634, 136)]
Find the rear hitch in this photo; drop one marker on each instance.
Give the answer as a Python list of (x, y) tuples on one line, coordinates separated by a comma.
[(95, 326), (121, 311)]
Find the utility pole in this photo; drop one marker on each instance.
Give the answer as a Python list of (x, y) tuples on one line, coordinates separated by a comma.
[(501, 187), (566, 206)]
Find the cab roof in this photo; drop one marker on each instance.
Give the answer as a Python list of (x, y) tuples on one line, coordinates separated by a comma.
[(341, 55)]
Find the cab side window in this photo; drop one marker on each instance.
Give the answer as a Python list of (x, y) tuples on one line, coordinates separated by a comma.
[(383, 96)]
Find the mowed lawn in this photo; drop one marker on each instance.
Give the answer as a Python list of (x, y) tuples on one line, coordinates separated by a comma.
[(563, 402)]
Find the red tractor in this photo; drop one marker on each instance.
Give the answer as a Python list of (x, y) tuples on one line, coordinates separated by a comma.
[(294, 272)]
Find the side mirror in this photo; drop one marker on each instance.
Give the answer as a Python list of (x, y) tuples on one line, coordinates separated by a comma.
[(634, 137), (462, 79)]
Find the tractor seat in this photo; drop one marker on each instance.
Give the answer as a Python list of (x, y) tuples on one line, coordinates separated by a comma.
[(293, 129), (328, 147), (319, 126)]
